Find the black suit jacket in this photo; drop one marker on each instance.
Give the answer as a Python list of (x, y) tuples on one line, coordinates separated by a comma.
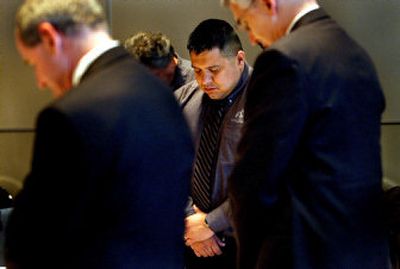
[(110, 175), (306, 189)]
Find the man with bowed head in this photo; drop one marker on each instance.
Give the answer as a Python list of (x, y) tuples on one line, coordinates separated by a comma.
[(213, 106), (155, 51), (306, 188), (112, 156)]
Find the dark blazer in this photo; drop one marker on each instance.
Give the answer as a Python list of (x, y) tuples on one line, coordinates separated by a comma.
[(192, 100), (306, 189), (109, 178)]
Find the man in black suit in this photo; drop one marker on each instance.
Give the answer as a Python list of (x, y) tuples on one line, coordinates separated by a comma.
[(306, 188), (112, 158)]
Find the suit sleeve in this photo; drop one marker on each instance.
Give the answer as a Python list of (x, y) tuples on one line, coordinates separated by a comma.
[(48, 205), (219, 218), (275, 114), (189, 210)]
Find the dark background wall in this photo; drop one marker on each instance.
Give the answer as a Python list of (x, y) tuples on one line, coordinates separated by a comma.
[(373, 23)]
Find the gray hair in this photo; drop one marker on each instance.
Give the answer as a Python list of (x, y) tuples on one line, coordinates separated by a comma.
[(67, 16)]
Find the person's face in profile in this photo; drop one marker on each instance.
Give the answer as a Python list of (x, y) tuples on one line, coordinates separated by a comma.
[(258, 20), (217, 74), (167, 73), (49, 63)]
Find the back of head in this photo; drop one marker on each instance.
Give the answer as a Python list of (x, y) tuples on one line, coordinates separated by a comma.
[(214, 33), (67, 16), (152, 49)]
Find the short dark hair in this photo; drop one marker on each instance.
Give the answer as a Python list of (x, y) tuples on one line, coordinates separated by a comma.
[(151, 49), (214, 33)]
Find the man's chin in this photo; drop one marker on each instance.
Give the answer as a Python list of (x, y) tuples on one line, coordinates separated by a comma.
[(261, 45), (214, 96), (58, 92)]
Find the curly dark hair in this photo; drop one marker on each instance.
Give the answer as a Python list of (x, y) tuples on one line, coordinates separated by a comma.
[(152, 49)]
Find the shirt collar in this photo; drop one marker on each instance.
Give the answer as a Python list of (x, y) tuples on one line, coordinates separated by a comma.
[(89, 58), (240, 86), (299, 15)]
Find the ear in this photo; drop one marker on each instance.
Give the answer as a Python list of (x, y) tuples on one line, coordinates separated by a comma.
[(241, 57), (50, 37), (175, 60), (271, 5)]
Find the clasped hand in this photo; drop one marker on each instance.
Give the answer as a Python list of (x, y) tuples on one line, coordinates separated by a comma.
[(200, 237)]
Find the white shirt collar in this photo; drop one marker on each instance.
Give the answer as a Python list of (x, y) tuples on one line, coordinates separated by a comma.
[(299, 15), (89, 58)]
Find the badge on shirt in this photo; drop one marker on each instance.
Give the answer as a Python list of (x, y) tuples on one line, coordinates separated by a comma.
[(239, 117)]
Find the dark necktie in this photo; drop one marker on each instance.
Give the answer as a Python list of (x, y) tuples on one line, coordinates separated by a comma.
[(204, 167)]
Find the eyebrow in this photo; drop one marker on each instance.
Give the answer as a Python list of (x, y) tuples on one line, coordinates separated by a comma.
[(208, 67)]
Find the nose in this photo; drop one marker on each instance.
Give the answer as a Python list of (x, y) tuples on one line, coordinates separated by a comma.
[(41, 85), (206, 78)]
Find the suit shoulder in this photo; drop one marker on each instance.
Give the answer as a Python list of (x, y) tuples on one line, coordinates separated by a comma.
[(187, 91), (273, 59)]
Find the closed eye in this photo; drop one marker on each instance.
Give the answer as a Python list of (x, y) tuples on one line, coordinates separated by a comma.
[(214, 69), (197, 70)]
